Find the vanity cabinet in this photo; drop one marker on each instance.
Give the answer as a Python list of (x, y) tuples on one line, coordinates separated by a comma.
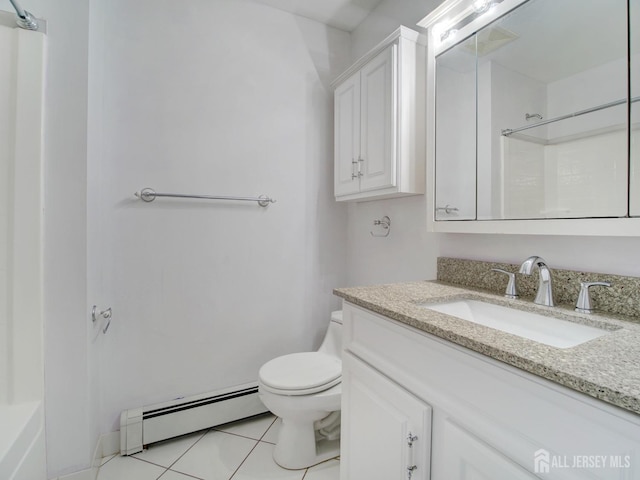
[(379, 121), (389, 430), (488, 420), (467, 457)]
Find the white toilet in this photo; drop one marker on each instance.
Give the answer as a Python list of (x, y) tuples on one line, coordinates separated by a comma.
[(304, 390)]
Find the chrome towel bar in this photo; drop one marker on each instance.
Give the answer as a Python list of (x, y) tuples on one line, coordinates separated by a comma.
[(149, 195)]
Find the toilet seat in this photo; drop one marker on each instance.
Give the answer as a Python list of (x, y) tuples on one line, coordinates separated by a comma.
[(301, 373)]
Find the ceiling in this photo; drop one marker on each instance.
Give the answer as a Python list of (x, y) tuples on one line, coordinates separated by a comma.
[(343, 14)]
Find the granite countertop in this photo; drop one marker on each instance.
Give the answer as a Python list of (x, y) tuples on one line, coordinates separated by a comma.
[(607, 367)]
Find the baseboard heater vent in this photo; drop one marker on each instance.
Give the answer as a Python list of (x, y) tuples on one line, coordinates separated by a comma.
[(145, 425)]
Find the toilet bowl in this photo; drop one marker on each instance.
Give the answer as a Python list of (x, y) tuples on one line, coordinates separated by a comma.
[(304, 390)]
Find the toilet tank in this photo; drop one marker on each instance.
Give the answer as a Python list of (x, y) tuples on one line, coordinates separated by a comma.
[(332, 343)]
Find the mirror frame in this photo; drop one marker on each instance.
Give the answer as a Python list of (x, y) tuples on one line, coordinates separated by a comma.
[(450, 13)]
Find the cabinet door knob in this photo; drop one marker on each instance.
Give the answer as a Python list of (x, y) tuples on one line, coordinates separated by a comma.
[(410, 439)]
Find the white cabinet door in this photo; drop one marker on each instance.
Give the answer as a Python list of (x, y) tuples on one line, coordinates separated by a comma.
[(379, 121), (388, 432), (347, 136), (378, 133), (459, 455)]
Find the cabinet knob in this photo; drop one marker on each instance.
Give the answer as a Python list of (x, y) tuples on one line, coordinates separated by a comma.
[(410, 439), (410, 471)]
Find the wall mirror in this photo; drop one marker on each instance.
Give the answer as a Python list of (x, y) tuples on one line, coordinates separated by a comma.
[(634, 76), (536, 113)]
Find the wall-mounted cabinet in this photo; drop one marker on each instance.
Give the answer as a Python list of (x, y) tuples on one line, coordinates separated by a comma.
[(379, 121)]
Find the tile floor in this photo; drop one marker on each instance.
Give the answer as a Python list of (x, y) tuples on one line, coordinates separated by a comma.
[(240, 451)]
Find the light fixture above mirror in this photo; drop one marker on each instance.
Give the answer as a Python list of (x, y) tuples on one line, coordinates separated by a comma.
[(447, 29)]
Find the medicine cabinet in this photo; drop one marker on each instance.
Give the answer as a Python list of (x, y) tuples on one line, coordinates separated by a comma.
[(534, 116)]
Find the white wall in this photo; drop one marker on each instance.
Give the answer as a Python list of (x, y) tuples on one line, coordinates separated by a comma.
[(7, 128), (68, 397), (409, 252), (285, 153), (588, 88), (21, 299), (510, 94), (73, 277), (388, 16), (220, 97)]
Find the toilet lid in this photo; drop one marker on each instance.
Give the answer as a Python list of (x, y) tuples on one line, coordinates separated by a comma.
[(302, 372)]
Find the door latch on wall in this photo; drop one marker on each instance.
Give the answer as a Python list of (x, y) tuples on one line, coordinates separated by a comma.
[(106, 314)]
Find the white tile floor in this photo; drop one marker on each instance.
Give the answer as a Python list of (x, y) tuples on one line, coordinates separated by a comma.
[(239, 451)]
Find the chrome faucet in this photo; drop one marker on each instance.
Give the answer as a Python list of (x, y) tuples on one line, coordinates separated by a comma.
[(583, 305), (512, 288), (545, 289)]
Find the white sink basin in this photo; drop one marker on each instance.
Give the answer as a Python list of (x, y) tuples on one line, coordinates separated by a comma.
[(548, 330)]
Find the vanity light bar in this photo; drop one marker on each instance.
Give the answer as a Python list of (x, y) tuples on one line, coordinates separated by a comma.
[(446, 29)]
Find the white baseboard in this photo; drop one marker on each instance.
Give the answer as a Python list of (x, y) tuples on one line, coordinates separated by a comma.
[(108, 444), (88, 474)]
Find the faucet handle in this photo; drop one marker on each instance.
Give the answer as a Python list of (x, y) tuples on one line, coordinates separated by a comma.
[(512, 289), (583, 305)]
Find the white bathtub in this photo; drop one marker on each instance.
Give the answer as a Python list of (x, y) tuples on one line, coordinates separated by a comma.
[(22, 447)]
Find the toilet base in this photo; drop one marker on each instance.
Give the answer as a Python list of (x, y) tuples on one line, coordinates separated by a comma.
[(297, 447)]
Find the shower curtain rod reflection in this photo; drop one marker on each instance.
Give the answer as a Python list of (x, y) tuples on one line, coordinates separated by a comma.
[(508, 131), (25, 19)]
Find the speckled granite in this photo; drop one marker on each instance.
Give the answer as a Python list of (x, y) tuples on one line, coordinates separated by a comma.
[(607, 368), (623, 297)]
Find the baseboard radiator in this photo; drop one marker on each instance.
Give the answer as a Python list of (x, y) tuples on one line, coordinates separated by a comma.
[(152, 423)]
